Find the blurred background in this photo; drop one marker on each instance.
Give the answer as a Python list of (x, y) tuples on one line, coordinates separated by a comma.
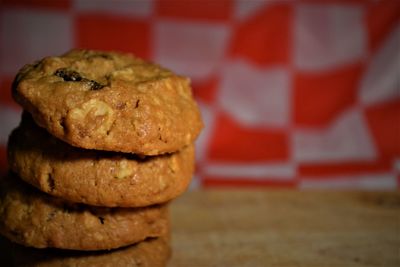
[(294, 94)]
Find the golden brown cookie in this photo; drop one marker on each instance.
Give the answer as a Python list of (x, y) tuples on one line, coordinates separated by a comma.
[(94, 177), (109, 101), (153, 252), (32, 218)]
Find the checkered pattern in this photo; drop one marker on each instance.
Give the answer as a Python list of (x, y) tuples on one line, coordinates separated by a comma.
[(300, 94)]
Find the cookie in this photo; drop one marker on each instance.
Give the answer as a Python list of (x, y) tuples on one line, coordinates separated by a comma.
[(93, 177), (153, 252), (109, 101), (32, 218)]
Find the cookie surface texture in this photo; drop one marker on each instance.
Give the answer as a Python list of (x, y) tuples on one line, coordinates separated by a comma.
[(93, 177), (32, 218), (109, 101)]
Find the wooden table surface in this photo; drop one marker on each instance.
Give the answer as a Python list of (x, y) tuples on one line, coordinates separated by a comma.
[(275, 228)]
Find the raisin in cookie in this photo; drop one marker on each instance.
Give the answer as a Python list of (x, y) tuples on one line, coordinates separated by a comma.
[(32, 218), (95, 177), (109, 101)]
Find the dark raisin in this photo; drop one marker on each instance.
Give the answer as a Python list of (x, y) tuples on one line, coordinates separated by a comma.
[(101, 219), (73, 76), (95, 85), (68, 75)]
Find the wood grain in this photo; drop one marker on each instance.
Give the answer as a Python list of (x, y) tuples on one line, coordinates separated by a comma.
[(270, 228)]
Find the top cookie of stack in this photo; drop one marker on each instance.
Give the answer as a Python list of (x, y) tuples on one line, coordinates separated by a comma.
[(109, 101)]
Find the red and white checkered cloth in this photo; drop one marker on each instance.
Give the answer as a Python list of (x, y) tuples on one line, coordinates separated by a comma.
[(301, 94)]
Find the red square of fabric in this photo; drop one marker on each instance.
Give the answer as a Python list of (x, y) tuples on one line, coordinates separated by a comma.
[(206, 90), (236, 143), (321, 171), (45, 4), (194, 9), (265, 37), (384, 122), (107, 32), (381, 19), (320, 97)]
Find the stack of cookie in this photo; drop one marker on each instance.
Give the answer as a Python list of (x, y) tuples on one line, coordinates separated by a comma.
[(105, 142)]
